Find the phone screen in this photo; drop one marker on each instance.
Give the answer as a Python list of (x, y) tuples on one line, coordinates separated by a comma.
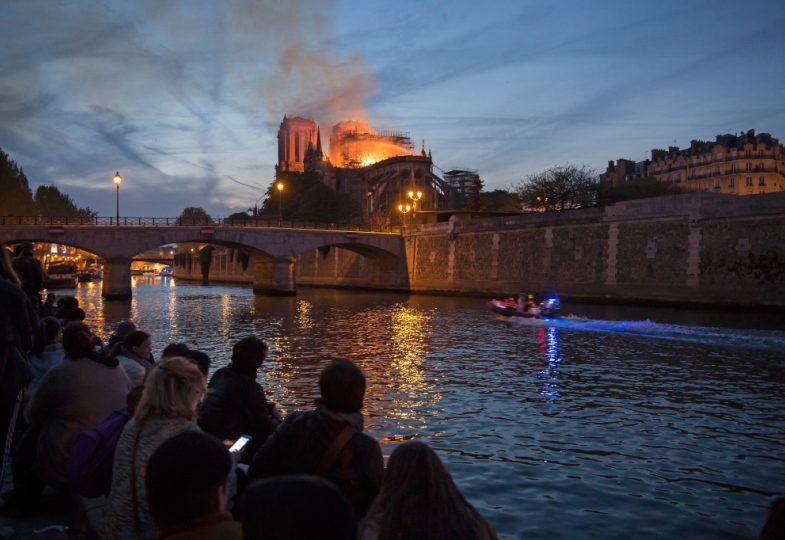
[(239, 443)]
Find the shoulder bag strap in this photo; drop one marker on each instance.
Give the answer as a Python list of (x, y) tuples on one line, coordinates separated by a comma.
[(335, 449), (137, 528)]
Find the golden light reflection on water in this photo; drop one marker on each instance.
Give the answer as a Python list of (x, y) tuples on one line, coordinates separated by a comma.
[(303, 314)]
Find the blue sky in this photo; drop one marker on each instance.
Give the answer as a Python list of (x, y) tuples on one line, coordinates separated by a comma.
[(184, 98)]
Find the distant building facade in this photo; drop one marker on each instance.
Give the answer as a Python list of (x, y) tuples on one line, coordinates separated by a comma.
[(377, 169), (743, 164), (624, 170), (295, 136)]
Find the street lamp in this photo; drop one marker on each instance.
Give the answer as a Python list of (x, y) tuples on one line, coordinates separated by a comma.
[(404, 209), (415, 197), (279, 185), (117, 180)]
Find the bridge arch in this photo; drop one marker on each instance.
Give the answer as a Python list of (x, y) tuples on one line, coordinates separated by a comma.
[(274, 251)]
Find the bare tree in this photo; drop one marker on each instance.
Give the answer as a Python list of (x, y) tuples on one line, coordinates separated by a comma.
[(559, 188)]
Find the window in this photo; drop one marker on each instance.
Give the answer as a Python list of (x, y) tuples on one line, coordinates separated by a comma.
[(732, 182), (749, 166), (717, 184), (746, 153), (760, 152), (749, 180), (762, 181)]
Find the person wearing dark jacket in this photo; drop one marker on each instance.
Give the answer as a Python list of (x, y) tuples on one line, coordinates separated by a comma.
[(328, 441), (235, 403), (30, 271)]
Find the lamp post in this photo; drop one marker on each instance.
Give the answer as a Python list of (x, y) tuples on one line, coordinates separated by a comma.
[(404, 209), (117, 180), (279, 185), (415, 196)]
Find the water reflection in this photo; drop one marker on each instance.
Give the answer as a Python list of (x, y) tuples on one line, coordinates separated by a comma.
[(548, 373), (548, 429)]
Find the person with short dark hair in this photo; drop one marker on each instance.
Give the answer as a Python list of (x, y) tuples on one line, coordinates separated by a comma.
[(30, 271), (123, 329), (297, 507), (328, 441), (199, 358), (235, 404), (76, 314), (174, 349), (49, 308), (69, 303), (186, 483)]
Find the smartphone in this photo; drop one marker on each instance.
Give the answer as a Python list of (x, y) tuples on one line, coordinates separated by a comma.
[(239, 443)]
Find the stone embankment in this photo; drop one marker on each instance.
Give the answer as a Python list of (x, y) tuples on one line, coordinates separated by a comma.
[(695, 249)]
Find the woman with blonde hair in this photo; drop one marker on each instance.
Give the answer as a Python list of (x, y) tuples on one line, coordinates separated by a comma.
[(419, 500), (172, 391)]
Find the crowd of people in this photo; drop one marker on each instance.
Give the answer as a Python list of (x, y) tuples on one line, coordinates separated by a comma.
[(175, 472), (313, 474)]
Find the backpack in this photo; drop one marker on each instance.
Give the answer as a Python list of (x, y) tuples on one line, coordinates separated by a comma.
[(91, 459)]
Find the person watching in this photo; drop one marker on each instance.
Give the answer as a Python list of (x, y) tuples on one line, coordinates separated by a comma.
[(187, 493), (328, 441), (235, 403)]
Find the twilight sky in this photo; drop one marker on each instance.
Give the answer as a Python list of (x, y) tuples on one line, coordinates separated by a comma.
[(184, 97)]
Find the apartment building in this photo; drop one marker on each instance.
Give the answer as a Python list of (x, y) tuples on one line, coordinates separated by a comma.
[(743, 164)]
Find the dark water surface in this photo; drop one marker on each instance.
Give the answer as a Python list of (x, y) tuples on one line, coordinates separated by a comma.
[(611, 423)]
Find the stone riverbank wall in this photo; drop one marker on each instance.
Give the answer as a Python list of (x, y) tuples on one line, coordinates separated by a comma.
[(696, 248), (699, 248)]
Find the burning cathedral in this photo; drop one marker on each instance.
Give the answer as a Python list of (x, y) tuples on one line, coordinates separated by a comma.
[(376, 168)]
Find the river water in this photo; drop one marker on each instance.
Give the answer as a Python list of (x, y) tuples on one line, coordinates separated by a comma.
[(611, 423)]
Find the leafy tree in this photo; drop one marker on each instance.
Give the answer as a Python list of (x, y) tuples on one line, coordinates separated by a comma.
[(501, 200), (17, 199), (52, 202), (559, 188), (642, 188), (239, 216), (474, 195), (196, 215), (306, 198)]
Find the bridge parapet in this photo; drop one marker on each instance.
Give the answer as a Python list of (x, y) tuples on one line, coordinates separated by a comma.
[(194, 222), (118, 245)]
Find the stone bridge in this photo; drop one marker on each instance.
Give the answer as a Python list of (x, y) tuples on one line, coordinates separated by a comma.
[(273, 251)]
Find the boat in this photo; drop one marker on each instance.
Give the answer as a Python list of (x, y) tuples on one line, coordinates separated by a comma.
[(91, 273), (536, 306), (61, 276)]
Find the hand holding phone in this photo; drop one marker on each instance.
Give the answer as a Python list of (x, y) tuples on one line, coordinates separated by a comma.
[(239, 443)]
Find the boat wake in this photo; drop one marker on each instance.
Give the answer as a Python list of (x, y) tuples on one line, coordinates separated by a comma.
[(770, 340)]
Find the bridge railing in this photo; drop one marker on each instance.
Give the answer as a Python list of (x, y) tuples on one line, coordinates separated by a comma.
[(194, 222)]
